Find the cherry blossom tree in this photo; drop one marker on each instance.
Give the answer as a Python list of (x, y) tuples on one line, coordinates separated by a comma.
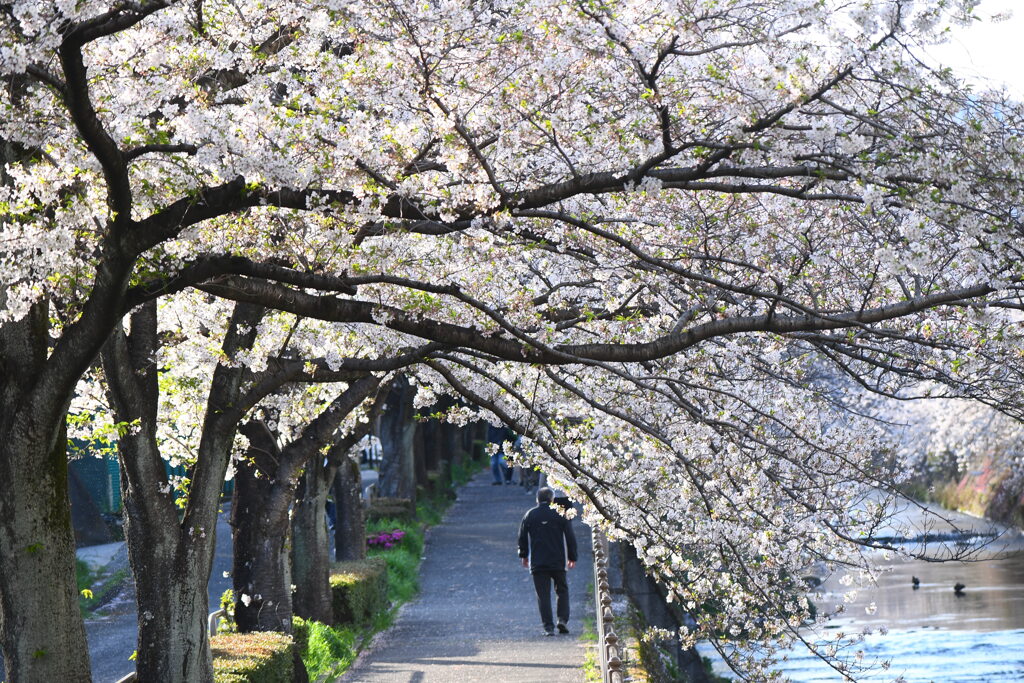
[(179, 385), (676, 191)]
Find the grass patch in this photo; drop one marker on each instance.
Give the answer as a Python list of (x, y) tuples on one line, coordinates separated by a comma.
[(95, 589), (591, 658), (589, 632), (325, 649)]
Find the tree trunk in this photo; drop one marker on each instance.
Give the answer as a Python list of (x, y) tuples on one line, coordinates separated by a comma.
[(419, 451), (171, 556), (466, 434), (397, 470), (310, 561), (450, 443), (432, 444), (41, 627), (262, 562), (259, 519), (350, 529), (172, 638), (41, 630)]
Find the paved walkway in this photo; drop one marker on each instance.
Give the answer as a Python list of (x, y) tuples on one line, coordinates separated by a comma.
[(476, 618)]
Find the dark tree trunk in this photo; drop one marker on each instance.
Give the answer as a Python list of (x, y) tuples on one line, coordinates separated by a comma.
[(310, 561), (41, 628), (350, 529), (466, 434), (170, 557), (431, 444), (419, 451), (480, 435), (260, 533), (450, 451), (397, 472)]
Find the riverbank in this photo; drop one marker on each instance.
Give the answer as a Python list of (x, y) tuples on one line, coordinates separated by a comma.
[(992, 490)]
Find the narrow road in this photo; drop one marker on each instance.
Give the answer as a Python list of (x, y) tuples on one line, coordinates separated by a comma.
[(476, 618)]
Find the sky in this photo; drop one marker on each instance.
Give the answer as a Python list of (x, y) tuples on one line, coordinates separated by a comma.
[(986, 51)]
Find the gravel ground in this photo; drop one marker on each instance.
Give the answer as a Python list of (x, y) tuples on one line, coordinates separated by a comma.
[(476, 618)]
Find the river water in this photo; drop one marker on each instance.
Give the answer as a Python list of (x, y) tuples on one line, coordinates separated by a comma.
[(933, 633)]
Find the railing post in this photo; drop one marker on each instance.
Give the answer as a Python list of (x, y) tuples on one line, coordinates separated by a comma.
[(211, 622), (608, 642)]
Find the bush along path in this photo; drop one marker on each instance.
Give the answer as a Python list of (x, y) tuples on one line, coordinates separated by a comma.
[(476, 617)]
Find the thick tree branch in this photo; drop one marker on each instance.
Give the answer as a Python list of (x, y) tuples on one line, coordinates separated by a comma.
[(209, 267), (333, 309)]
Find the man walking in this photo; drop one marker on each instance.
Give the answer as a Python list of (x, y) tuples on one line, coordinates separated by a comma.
[(546, 541)]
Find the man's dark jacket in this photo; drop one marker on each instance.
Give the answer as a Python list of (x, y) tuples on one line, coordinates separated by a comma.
[(545, 537)]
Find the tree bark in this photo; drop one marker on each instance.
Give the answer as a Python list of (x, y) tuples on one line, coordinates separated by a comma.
[(41, 628), (397, 470), (350, 529), (260, 537), (419, 451), (450, 451), (310, 560), (432, 444)]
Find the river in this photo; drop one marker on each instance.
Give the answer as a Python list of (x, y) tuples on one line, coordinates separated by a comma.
[(934, 634)]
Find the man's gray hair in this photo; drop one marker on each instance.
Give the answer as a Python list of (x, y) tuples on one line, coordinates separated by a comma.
[(545, 495)]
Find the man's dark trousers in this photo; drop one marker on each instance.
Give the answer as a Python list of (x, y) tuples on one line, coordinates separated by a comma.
[(542, 579)]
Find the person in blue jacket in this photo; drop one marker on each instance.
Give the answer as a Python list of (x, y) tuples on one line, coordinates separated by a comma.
[(547, 548)]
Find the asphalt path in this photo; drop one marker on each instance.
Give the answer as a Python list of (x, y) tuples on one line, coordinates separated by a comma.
[(476, 618)]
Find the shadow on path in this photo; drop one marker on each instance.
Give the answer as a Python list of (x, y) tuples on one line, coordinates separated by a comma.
[(476, 618)]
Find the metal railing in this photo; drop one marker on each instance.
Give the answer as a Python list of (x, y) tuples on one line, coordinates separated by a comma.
[(213, 621), (607, 641)]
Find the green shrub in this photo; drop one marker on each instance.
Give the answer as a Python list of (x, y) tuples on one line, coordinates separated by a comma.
[(381, 508), (252, 658), (325, 650), (358, 590)]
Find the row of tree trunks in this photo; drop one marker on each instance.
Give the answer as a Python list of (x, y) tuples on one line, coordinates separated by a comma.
[(274, 481), (413, 447)]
